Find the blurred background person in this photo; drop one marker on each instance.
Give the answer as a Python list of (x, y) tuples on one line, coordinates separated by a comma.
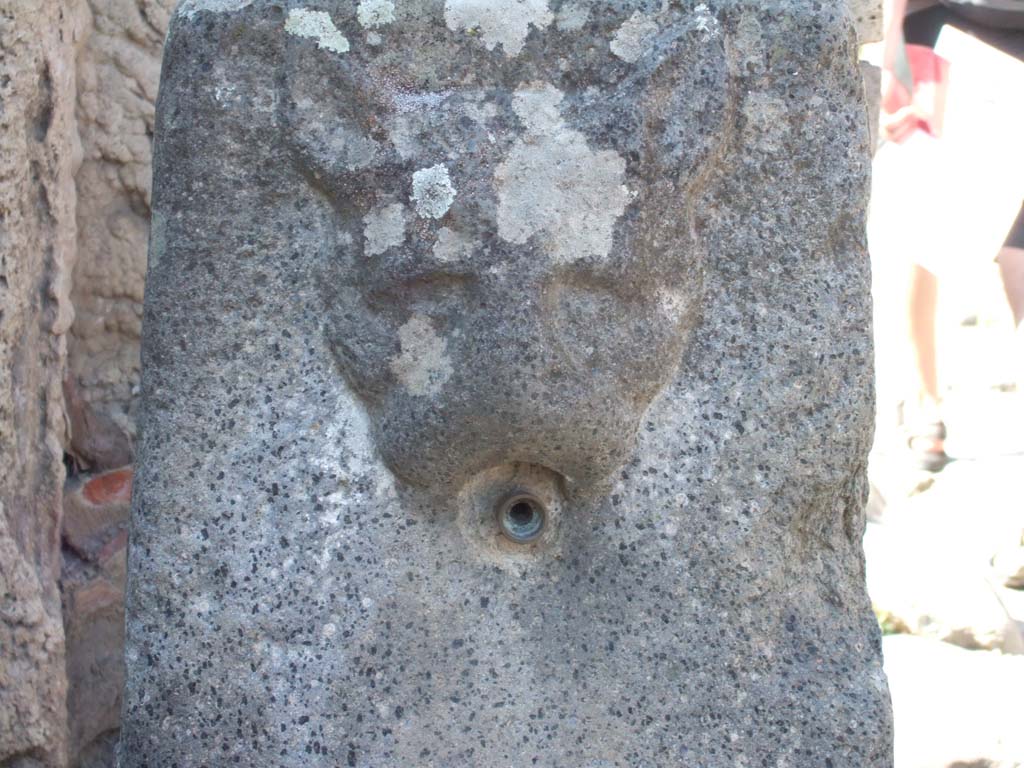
[(949, 180)]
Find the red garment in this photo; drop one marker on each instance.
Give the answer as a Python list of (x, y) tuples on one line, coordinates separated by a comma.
[(930, 74)]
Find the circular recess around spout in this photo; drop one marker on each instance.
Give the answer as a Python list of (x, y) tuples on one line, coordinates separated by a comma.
[(512, 515)]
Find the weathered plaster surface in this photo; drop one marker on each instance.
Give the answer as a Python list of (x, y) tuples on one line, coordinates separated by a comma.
[(117, 73), (867, 19)]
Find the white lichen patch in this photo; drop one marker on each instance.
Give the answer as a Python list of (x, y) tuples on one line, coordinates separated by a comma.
[(480, 112), (552, 183), (705, 22), (504, 22), (452, 246), (402, 132), (383, 228), (572, 17), (375, 13), (432, 191), (422, 366), (189, 8), (406, 102), (318, 26), (633, 37), (673, 303), (537, 105)]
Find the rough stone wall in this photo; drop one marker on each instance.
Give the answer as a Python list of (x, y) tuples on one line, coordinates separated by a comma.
[(77, 84), (38, 150), (118, 68), (92, 582), (118, 73)]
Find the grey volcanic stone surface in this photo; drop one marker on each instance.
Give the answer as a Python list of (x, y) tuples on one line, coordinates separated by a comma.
[(411, 259)]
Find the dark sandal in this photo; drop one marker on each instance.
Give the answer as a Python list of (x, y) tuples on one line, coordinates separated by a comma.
[(927, 458), (1009, 566)]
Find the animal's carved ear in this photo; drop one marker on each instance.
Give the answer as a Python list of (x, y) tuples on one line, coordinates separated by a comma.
[(328, 115), (687, 106)]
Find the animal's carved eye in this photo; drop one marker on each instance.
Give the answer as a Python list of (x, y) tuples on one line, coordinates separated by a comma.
[(593, 317), (608, 326), (429, 292)]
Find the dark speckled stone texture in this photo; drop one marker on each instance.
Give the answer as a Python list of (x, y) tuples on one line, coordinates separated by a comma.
[(410, 259)]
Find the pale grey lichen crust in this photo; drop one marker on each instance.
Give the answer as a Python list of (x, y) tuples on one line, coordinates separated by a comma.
[(423, 365), (375, 13), (633, 36), (318, 26), (432, 191), (384, 228), (499, 22), (552, 183)]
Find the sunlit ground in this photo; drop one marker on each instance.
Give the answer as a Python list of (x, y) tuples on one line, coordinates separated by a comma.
[(930, 545)]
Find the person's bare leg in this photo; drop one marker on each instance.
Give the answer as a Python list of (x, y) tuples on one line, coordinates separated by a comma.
[(924, 291), (924, 428), (1009, 563), (1011, 269)]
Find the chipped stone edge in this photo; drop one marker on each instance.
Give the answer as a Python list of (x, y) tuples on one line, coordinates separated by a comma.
[(189, 8)]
